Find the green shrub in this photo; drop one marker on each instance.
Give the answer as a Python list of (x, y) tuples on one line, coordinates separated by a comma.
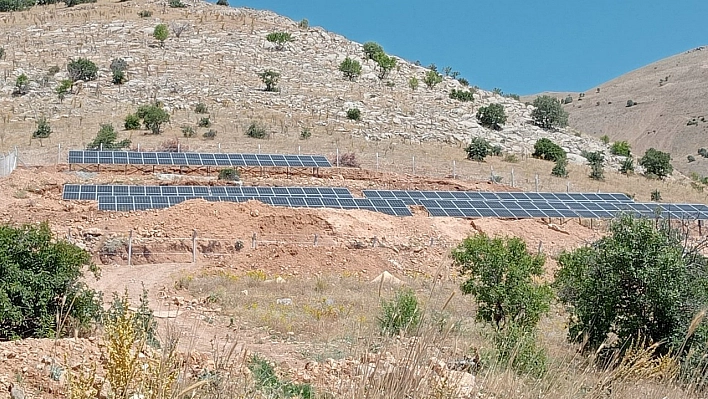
[(548, 113), (305, 134), (229, 174), (496, 150), (201, 108), (401, 314), (43, 130), (621, 148), (41, 283), (691, 158), (703, 152), (657, 163), (177, 4), (279, 38), (413, 83), (462, 95), (385, 64), (161, 33), (354, 114), (270, 78), (548, 150), (478, 149), (188, 131), (119, 77), (118, 67), (82, 69), (256, 131), (224, 3), (568, 100), (145, 14), (605, 139), (204, 122), (106, 139), (463, 81), (630, 103), (153, 117), (71, 3), (371, 49), (210, 134), (596, 161), (559, 169), (267, 381), (516, 349), (643, 279), (132, 122), (627, 166), (303, 24), (350, 68), (432, 78), (492, 116), (21, 85), (144, 325), (656, 196), (15, 5)]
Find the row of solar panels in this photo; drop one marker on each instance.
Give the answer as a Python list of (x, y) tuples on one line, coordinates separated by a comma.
[(138, 203), (196, 159), (92, 192), (551, 209), (414, 197)]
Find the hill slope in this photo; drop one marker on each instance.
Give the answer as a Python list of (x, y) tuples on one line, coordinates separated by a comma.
[(670, 114)]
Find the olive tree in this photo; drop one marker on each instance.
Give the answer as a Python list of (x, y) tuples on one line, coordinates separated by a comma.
[(548, 113)]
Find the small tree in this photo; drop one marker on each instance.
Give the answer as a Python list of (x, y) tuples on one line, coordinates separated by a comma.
[(371, 49), (210, 134), (82, 69), (43, 130), (279, 38), (201, 108), (546, 149), (703, 152), (657, 163), (621, 148), (161, 33), (385, 64), (560, 168), (596, 161), (305, 133), (188, 131), (132, 122), (413, 83), (478, 149), (63, 88), (350, 68), (400, 314), (432, 78), (492, 116), (605, 139), (118, 67), (153, 117), (21, 85), (462, 95), (204, 122), (106, 139), (229, 174), (224, 3), (176, 4), (256, 131), (691, 158), (270, 78), (304, 24), (354, 114), (548, 113), (655, 195), (627, 166)]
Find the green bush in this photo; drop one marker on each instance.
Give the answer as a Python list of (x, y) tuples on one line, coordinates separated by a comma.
[(43, 130), (462, 95), (177, 4), (82, 69), (413, 83), (463, 81), (432, 78), (204, 122), (143, 319), (16, 5), (188, 131), (229, 174), (691, 158), (210, 134), (305, 134), (303, 24), (627, 166), (354, 114), (270, 78), (492, 116), (643, 279), (371, 49), (517, 350), (478, 149), (503, 278), (106, 139), (41, 283), (401, 314), (385, 64), (548, 113), (548, 150), (256, 131), (596, 161), (118, 67), (201, 108), (657, 163), (145, 14), (559, 169), (703, 152), (21, 85), (350, 68), (63, 88), (153, 117), (267, 381), (161, 33), (132, 122), (224, 3), (71, 3), (621, 148), (605, 139), (630, 103), (279, 38)]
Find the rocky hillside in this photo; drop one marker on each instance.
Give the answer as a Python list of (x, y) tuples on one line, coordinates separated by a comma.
[(217, 60), (669, 110)]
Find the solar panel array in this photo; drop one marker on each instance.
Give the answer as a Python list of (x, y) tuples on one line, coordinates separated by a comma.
[(414, 197), (137, 203), (92, 192), (196, 159), (551, 209)]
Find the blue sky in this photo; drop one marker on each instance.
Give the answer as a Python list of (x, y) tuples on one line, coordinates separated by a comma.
[(519, 46)]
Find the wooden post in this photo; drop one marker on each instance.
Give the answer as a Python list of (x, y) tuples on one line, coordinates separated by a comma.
[(540, 247), (513, 178), (536, 182), (194, 247), (414, 164), (315, 242), (377, 161), (337, 157), (253, 241), (454, 169), (130, 248)]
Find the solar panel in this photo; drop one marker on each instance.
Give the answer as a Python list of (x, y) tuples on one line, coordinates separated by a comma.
[(195, 159), (413, 197), (137, 203), (92, 192)]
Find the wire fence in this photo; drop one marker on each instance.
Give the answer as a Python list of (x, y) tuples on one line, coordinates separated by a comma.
[(8, 163)]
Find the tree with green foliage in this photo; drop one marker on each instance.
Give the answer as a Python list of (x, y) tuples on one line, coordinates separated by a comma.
[(627, 166), (596, 160), (256, 131), (279, 39), (432, 78), (657, 163), (478, 149), (63, 88), (21, 85), (43, 130), (644, 279), (462, 95), (354, 114), (605, 139), (413, 83), (371, 49), (71, 3), (621, 148), (153, 117), (229, 174), (16, 5), (224, 3), (118, 67), (548, 113), (560, 168), (492, 116), (82, 69), (132, 122), (548, 150), (270, 78), (160, 34), (350, 68), (385, 64), (106, 139), (41, 284), (402, 313)]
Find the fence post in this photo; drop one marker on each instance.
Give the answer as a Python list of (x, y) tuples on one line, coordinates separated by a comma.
[(540, 247), (491, 171), (100, 147), (513, 179), (130, 248), (259, 148), (179, 147), (567, 186), (194, 247), (298, 150), (253, 241), (220, 148), (138, 147), (413, 164), (59, 154), (377, 161), (315, 242), (454, 169), (536, 182), (337, 157)]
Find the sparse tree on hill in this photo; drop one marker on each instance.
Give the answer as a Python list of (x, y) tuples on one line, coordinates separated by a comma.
[(621, 148), (270, 78), (82, 69), (492, 116), (222, 3), (43, 130), (385, 64), (548, 113), (153, 117), (657, 163), (161, 33), (279, 39), (371, 49), (478, 149), (413, 83), (432, 78), (350, 68), (560, 168), (596, 161), (63, 88), (21, 85), (106, 139), (627, 166), (118, 67), (548, 150)]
